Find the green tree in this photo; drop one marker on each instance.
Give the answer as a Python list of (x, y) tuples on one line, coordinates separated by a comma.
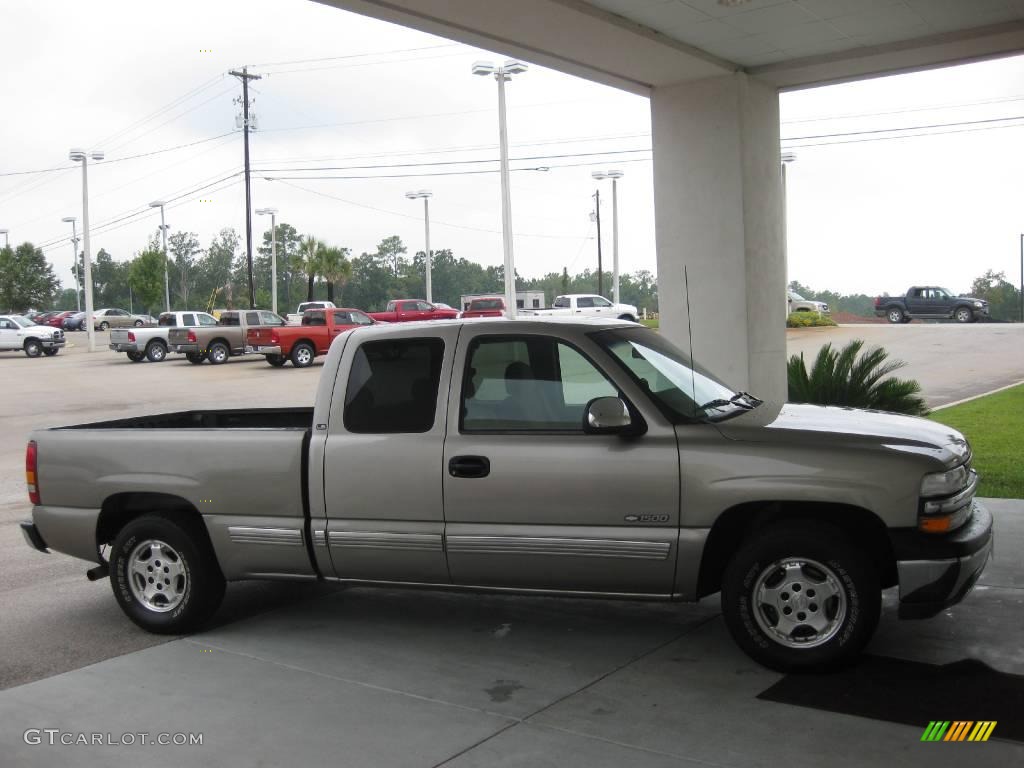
[(184, 253), (214, 268), (27, 280), (146, 273), (391, 250), (336, 269), (310, 255), (1002, 296), (853, 379), (289, 243)]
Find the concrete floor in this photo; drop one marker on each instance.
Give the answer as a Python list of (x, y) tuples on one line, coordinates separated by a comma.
[(378, 677), (313, 675)]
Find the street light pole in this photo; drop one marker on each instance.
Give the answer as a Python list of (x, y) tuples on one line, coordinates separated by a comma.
[(425, 195), (786, 158), (74, 260), (79, 155), (1022, 278), (614, 176), (273, 253), (163, 228), (502, 74), (5, 233)]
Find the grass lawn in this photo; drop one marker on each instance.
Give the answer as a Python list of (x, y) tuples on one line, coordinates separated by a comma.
[(650, 323), (995, 427)]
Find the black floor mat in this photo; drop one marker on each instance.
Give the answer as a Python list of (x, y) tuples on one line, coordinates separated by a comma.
[(910, 692)]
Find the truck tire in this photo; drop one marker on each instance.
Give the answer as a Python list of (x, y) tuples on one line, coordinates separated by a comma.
[(808, 571), (963, 315), (136, 357), (630, 318), (302, 355), (156, 352), (218, 353), (51, 351), (164, 574), (277, 360), (33, 348), (895, 315), (196, 358)]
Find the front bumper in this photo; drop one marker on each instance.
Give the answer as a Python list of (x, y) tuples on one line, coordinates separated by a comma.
[(936, 572), (32, 536), (52, 343)]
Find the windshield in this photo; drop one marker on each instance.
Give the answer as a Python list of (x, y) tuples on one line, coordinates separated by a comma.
[(682, 391), (796, 296), (23, 322)]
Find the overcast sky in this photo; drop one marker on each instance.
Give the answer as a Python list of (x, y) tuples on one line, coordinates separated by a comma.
[(865, 216)]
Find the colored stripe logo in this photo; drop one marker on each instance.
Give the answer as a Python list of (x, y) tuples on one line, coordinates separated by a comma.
[(958, 730)]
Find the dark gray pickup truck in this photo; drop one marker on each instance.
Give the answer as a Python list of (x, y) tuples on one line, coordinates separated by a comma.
[(573, 457), (930, 302)]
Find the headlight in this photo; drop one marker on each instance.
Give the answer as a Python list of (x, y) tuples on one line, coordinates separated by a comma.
[(977, 304), (944, 483)]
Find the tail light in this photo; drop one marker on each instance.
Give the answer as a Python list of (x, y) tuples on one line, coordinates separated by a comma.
[(878, 300), (131, 336), (192, 337), (274, 338), (31, 476)]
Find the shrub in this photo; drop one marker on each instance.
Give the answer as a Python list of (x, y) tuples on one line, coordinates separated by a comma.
[(853, 379), (808, 320)]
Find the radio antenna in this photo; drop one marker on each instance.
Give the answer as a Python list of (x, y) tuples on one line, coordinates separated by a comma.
[(689, 331)]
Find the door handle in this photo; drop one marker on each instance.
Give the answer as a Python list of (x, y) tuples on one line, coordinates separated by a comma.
[(469, 466)]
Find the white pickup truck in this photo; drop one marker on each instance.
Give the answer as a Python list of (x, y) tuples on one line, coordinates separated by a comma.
[(20, 334), (584, 305), (152, 343), (295, 318)]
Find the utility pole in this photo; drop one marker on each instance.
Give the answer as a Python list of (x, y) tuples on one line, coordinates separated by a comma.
[(597, 218), (245, 77)]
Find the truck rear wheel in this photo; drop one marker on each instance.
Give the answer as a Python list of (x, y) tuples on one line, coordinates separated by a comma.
[(895, 315), (136, 357), (195, 357), (219, 353), (277, 360), (800, 596), (156, 352), (165, 575), (302, 355)]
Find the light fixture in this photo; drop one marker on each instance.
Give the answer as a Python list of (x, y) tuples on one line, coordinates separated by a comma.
[(788, 157), (483, 68)]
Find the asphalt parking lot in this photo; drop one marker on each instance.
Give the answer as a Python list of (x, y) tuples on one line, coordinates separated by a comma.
[(319, 675)]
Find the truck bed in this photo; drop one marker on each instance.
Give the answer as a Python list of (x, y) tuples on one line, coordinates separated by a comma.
[(241, 418)]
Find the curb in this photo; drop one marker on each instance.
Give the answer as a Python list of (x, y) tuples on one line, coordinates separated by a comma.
[(975, 397)]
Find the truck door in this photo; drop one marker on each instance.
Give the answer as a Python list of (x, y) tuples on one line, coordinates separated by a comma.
[(382, 474), (531, 501), (917, 301)]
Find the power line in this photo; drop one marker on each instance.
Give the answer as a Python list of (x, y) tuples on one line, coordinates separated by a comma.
[(907, 128), (170, 120), (355, 55), (904, 136), (935, 108), (355, 65)]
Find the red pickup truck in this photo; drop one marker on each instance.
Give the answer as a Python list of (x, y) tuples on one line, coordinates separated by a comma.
[(492, 306), (408, 310), (302, 343)]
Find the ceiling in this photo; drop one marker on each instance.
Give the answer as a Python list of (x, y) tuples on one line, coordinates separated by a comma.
[(640, 44), (752, 33)]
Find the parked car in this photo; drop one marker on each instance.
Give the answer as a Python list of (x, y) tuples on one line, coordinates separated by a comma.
[(587, 457), (104, 319), (413, 310), (295, 318), (797, 303), (584, 305), (153, 343), (18, 333), (225, 339), (493, 306), (931, 302), (302, 343), (74, 322)]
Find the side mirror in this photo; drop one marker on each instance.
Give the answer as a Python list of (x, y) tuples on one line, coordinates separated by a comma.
[(608, 416)]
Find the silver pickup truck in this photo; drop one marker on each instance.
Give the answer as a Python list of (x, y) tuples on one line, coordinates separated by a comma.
[(152, 343), (583, 457)]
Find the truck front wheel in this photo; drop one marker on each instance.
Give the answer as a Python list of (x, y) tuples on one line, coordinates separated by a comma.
[(964, 315), (895, 315), (165, 575), (801, 597)]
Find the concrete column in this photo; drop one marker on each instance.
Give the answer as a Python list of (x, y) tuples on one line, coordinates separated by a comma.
[(719, 212)]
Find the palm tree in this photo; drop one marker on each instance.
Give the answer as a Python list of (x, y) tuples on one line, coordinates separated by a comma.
[(310, 253), (843, 378), (335, 268)]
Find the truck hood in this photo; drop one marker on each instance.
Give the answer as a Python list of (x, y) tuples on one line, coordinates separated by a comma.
[(819, 425)]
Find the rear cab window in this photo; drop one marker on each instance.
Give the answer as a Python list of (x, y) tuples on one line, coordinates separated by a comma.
[(393, 385)]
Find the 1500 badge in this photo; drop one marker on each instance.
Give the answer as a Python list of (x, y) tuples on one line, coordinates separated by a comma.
[(646, 518)]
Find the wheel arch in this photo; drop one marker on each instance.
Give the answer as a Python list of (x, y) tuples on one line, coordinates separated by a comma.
[(736, 524), (121, 508)]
